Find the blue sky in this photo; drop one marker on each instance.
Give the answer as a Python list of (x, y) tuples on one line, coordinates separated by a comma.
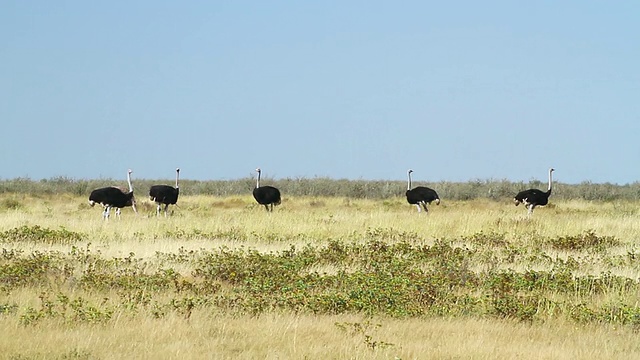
[(456, 90)]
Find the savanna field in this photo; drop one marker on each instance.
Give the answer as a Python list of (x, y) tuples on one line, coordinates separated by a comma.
[(340, 270)]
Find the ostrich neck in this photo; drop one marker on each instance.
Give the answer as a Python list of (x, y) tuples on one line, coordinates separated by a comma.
[(549, 189), (129, 181), (177, 176), (258, 181), (409, 182)]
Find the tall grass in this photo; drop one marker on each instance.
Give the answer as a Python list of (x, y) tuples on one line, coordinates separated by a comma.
[(294, 336), (320, 277)]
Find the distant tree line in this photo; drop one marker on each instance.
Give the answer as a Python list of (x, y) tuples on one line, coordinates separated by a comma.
[(363, 189)]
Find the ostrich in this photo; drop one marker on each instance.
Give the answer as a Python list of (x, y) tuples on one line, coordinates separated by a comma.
[(421, 195), (266, 195), (534, 197), (114, 197), (165, 194)]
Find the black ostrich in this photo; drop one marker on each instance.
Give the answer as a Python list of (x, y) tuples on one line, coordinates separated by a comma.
[(165, 194), (266, 195), (421, 195), (534, 197), (114, 197)]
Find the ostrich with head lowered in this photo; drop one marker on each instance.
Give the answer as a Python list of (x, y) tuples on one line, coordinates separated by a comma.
[(114, 197), (420, 196), (266, 195), (534, 197), (165, 195)]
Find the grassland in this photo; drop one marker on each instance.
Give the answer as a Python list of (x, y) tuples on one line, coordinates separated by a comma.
[(321, 277)]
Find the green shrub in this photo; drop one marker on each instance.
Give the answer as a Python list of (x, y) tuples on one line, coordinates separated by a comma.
[(587, 240), (11, 204), (39, 234)]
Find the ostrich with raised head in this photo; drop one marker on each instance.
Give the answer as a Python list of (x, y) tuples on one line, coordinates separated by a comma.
[(114, 197), (266, 195), (420, 196), (165, 195), (534, 197)]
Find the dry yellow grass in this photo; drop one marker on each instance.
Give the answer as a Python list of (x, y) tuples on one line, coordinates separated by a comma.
[(239, 221), (318, 219), (301, 221), (289, 336)]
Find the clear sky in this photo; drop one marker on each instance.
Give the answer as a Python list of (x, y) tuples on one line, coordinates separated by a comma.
[(455, 90)]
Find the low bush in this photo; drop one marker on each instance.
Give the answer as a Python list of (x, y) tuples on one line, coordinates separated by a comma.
[(39, 234)]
